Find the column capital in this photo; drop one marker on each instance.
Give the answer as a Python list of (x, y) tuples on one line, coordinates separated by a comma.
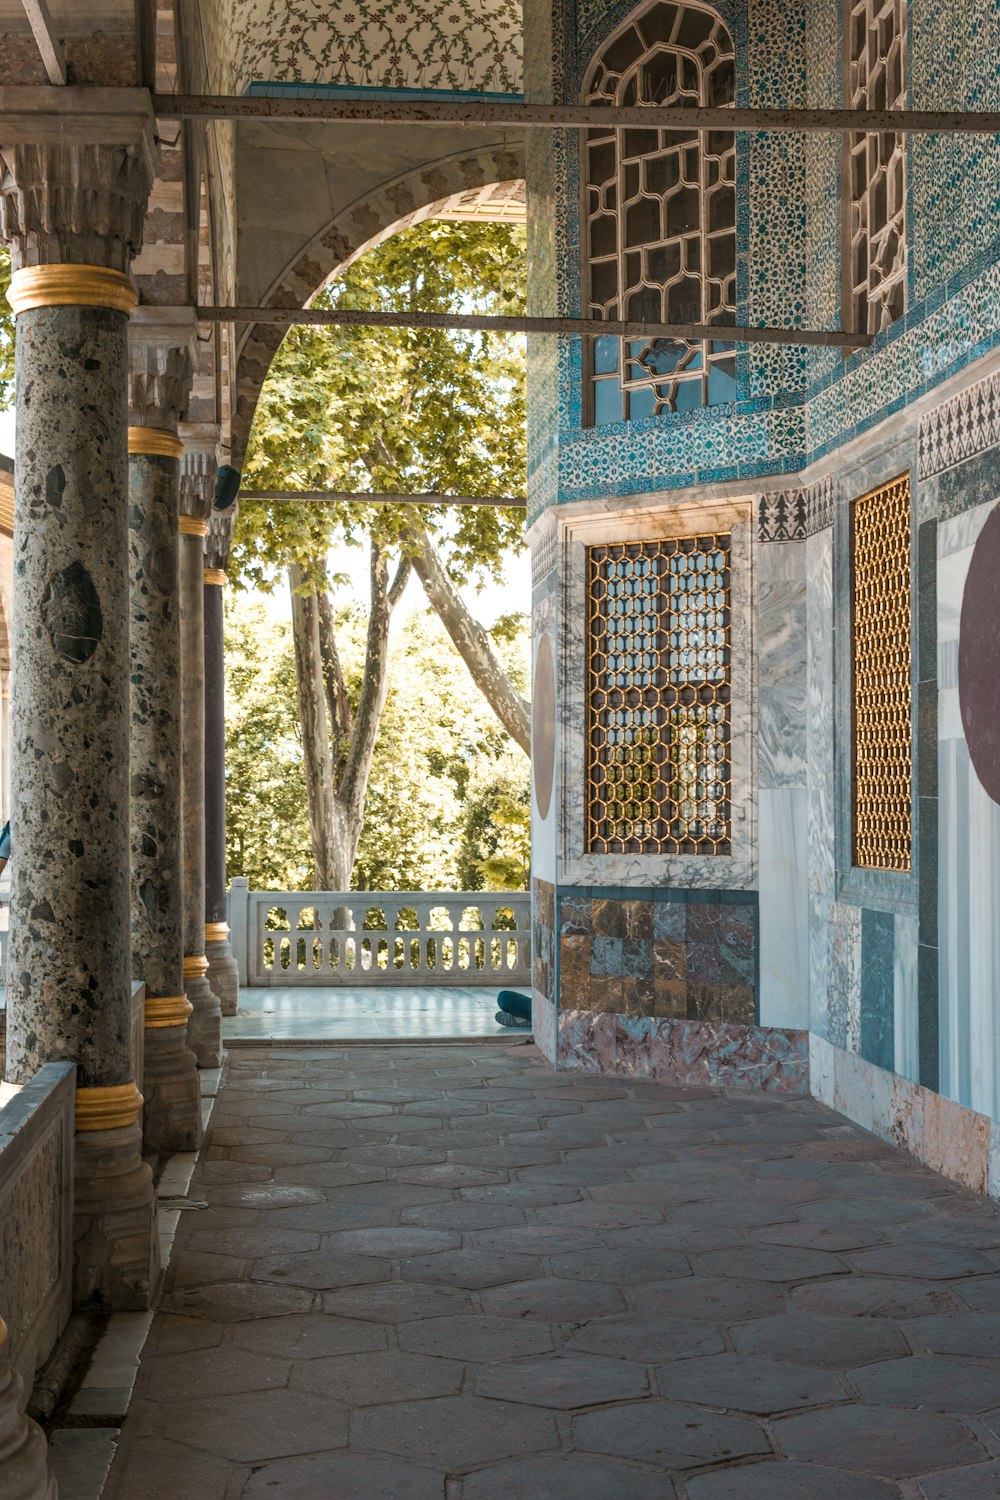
[(199, 467), (219, 540), (162, 345), (76, 167)]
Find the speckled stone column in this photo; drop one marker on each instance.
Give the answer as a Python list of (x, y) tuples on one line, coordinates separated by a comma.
[(69, 986), (198, 469), (24, 1473), (223, 974), (159, 381)]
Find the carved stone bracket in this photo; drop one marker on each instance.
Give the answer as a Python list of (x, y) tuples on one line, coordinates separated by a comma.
[(199, 468), (219, 540), (161, 353)]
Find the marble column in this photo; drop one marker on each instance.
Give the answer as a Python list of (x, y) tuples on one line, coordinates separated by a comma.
[(24, 1473), (69, 982), (160, 365), (198, 470), (222, 971)]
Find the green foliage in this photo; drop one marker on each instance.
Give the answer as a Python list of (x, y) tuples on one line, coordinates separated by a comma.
[(267, 832), (396, 410), (495, 853), (6, 334), (439, 752)]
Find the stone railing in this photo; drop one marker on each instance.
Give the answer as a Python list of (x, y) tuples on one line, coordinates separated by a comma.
[(36, 1213), (380, 937)]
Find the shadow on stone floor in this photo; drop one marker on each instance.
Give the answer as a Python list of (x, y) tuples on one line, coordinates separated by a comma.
[(437, 1273)]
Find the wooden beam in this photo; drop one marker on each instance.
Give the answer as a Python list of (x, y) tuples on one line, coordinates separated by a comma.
[(490, 115), (361, 497), (321, 317), (46, 40)]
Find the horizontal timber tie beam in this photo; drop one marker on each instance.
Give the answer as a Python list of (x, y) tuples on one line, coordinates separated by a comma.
[(488, 114), (323, 317), (361, 497)]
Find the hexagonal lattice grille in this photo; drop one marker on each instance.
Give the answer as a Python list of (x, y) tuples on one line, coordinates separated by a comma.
[(880, 542), (658, 652)]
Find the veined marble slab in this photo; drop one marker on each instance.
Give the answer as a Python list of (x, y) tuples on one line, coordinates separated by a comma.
[(784, 907)]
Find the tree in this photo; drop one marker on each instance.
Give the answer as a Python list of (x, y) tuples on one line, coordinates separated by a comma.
[(495, 852), (389, 410)]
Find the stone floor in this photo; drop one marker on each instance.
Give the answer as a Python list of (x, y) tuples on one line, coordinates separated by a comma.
[(376, 1013), (447, 1273)]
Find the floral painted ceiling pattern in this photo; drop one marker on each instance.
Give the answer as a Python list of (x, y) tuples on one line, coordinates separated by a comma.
[(464, 45)]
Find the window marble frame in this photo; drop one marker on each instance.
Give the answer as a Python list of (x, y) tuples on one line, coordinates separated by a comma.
[(858, 885), (648, 520)]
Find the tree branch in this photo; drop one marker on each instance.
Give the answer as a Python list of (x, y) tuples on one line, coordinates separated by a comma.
[(374, 687), (469, 638)]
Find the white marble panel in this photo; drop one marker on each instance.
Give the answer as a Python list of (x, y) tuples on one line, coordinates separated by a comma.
[(819, 737), (905, 997), (845, 976), (784, 907), (954, 934), (819, 964), (781, 681), (952, 571), (962, 531)]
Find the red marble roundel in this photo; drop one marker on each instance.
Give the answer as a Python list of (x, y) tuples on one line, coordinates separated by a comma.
[(979, 657), (543, 725)]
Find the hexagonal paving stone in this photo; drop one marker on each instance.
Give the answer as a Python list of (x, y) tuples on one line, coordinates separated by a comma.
[(822, 1340), (742, 1383), (873, 1297), (820, 1236), (554, 1300), (309, 1337), (979, 1483), (982, 1294), (470, 1268), (397, 1302), (231, 1302), (267, 1195), (254, 1427), (763, 1263), (895, 1444), (160, 1470), (454, 1432), (935, 1382), (452, 1174), (478, 1339), (564, 1382), (974, 1334), (344, 1475), (647, 1337), (370, 1379), (626, 1267), (784, 1481), (573, 1477), (674, 1437), (717, 1299), (321, 1270), (536, 1239), (461, 1216), (214, 1372), (928, 1262), (406, 1239)]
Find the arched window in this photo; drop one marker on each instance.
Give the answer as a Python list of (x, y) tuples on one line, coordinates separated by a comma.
[(660, 215), (875, 167)]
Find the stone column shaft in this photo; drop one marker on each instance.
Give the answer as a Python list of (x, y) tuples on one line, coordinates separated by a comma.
[(69, 974), (222, 972), (24, 1473), (197, 486), (172, 1115), (69, 971)]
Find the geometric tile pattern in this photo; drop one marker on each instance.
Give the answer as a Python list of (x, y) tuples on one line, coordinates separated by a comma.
[(624, 1288), (960, 428)]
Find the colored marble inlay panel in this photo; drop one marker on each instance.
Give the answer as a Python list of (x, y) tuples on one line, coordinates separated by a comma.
[(686, 1052)]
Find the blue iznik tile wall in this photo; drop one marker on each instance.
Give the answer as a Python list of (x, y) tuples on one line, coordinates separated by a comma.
[(795, 406)]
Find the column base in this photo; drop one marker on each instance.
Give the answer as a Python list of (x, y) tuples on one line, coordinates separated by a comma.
[(24, 1472), (223, 974), (171, 1089), (116, 1246), (204, 1028)]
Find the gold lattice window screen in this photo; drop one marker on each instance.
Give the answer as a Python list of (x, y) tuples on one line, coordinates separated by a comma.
[(876, 165), (880, 649), (658, 696), (660, 209)]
